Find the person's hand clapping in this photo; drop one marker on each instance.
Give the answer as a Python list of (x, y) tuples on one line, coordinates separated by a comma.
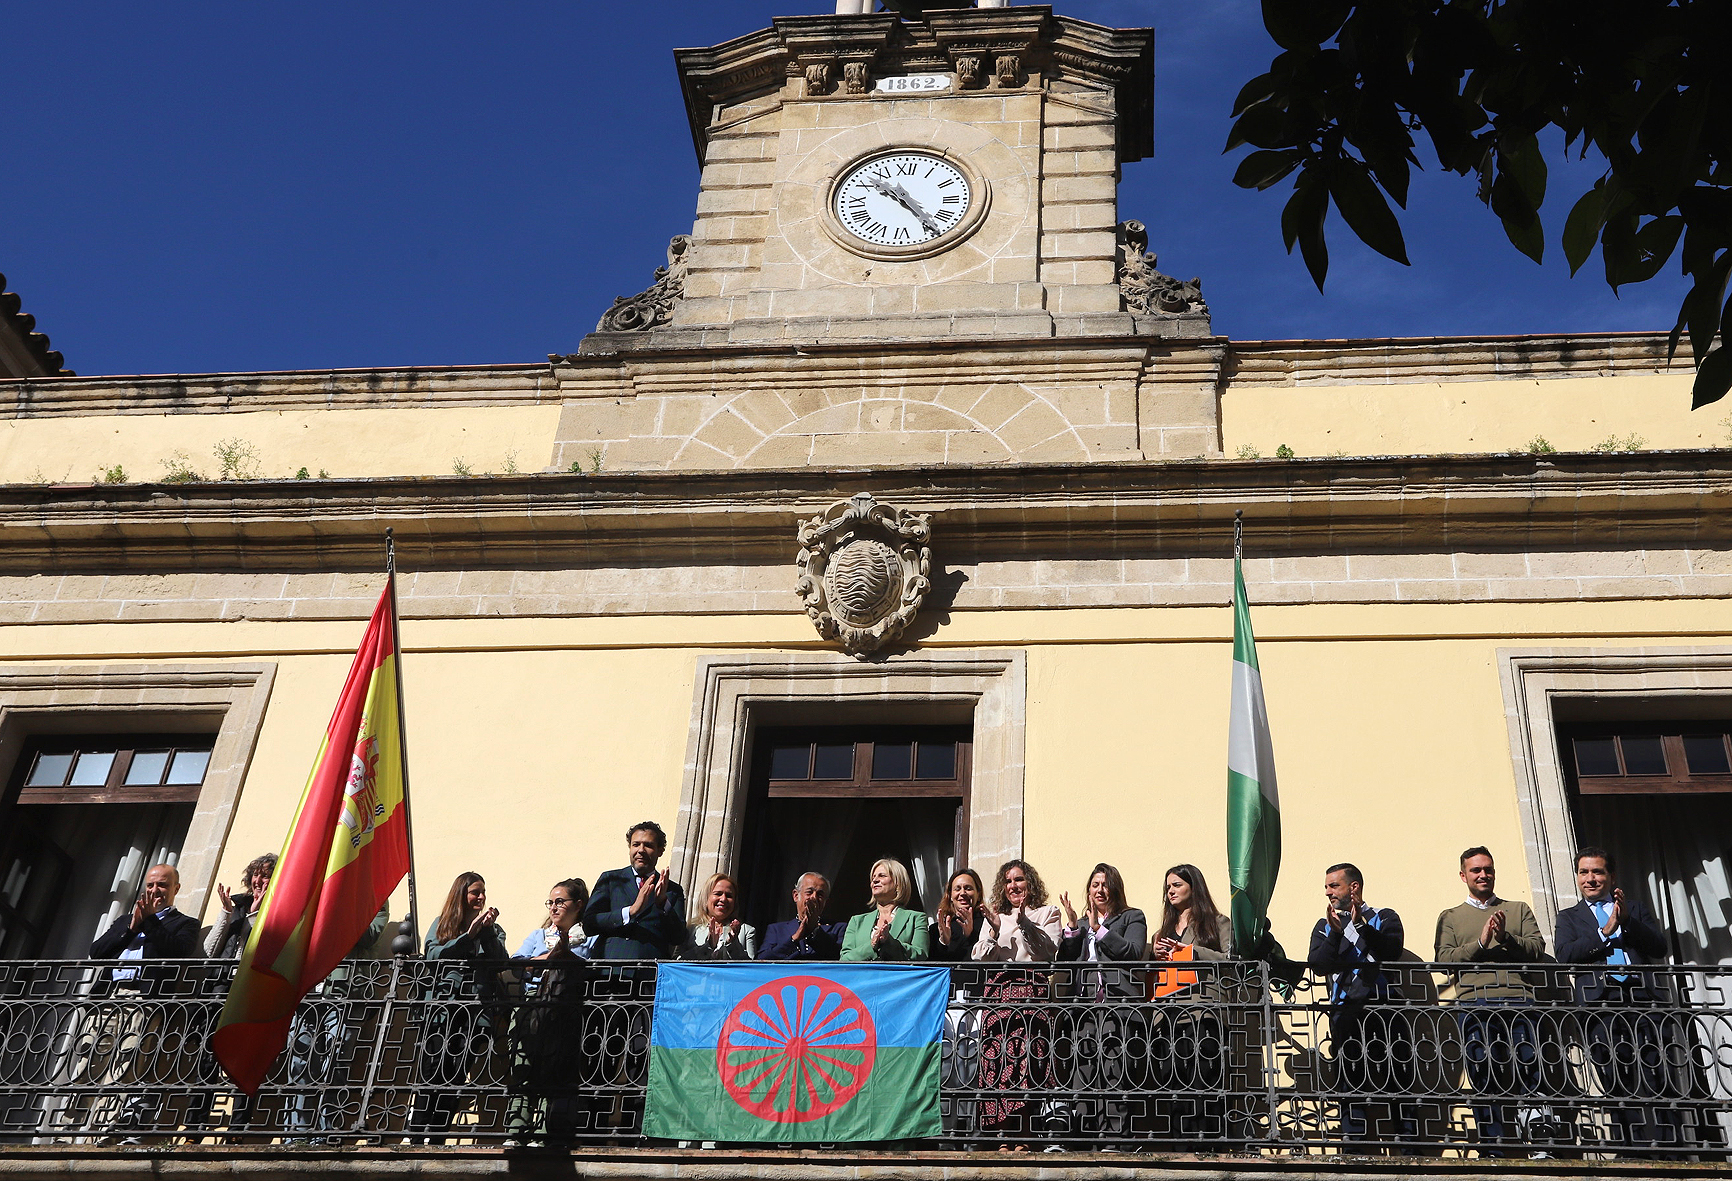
[(227, 899), (645, 892), (1069, 910), (1163, 949), (881, 929), (484, 921)]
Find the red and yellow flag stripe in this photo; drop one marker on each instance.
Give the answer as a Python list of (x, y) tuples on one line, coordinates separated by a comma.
[(346, 851)]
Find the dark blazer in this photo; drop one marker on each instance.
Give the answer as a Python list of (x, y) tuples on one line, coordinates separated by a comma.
[(960, 949), (171, 935), (1359, 981), (1127, 938), (656, 934), (824, 942), (1578, 942)]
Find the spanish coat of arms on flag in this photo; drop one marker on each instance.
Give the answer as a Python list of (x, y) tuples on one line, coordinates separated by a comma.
[(794, 1051)]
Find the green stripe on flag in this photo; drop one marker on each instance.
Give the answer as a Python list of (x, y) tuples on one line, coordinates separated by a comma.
[(1253, 805), (687, 1101)]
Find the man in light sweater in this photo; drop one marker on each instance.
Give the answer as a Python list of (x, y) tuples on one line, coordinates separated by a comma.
[(1497, 1029)]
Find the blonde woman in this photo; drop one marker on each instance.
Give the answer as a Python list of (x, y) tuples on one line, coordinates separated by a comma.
[(889, 931), (716, 932)]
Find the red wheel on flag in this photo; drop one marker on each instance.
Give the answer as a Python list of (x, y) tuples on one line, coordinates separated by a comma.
[(796, 1049)]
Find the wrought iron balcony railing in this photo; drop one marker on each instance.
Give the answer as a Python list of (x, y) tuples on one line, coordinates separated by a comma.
[(1202, 1057)]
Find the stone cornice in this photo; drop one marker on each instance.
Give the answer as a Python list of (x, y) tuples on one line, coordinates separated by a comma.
[(1449, 358), (1246, 363), (758, 64), (1589, 501), (401, 387)]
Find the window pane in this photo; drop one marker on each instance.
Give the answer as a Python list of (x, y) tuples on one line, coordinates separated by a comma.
[(147, 767), (189, 766), (49, 771), (91, 770), (1596, 756), (893, 760), (1643, 754), (833, 762), (935, 760), (789, 762), (1706, 754)]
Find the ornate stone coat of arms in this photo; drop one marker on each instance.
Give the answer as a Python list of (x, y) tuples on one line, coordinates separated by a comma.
[(865, 569)]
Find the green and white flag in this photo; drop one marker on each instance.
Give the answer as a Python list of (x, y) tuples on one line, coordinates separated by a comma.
[(1253, 808)]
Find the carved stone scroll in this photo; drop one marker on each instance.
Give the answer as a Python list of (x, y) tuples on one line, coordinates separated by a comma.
[(857, 77), (1145, 290), (646, 309), (967, 72), (1009, 67), (865, 568), (818, 79)]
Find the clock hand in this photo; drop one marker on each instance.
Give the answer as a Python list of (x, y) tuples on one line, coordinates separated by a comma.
[(902, 197)]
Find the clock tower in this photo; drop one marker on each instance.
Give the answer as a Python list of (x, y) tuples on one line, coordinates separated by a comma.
[(938, 173)]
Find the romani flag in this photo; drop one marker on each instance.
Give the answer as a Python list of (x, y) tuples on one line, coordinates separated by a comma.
[(346, 851), (1253, 809), (783, 1052)]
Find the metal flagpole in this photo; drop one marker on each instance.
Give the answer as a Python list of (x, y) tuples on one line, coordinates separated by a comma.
[(1238, 533), (402, 736)]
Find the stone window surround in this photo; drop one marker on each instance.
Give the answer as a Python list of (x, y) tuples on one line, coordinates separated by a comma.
[(1534, 681), (62, 698), (738, 692)]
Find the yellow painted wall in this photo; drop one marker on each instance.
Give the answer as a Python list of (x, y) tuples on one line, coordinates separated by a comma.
[(535, 742), (344, 443), (1423, 418)]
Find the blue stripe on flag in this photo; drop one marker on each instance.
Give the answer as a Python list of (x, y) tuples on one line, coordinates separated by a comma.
[(693, 1001)]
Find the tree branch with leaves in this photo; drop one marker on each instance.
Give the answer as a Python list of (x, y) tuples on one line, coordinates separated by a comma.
[(1642, 85)]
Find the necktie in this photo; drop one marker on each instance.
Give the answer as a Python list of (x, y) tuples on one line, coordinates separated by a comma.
[(1604, 911)]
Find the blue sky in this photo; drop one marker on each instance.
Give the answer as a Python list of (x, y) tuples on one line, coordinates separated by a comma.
[(196, 187)]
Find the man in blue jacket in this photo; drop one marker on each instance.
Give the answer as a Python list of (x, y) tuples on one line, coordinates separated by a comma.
[(806, 936), (1627, 1045)]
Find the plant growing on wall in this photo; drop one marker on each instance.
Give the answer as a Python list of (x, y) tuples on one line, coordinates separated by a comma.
[(237, 460), (178, 469)]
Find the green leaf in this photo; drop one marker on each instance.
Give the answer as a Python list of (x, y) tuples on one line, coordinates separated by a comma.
[(1522, 160), (1520, 222), (1262, 126), (1298, 24), (1260, 170), (1713, 378), (1365, 211), (1259, 89), (1654, 245), (1302, 222), (1582, 228)]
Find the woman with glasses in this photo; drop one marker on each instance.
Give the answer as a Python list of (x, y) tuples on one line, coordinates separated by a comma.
[(547, 1027), (565, 903)]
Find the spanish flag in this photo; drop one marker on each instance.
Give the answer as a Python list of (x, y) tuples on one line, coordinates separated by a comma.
[(346, 851)]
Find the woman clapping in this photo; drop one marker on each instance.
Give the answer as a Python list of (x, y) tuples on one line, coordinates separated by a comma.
[(716, 932), (889, 931)]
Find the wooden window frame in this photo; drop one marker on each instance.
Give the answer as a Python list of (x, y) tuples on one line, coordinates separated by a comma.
[(114, 790), (861, 784), (1679, 778)]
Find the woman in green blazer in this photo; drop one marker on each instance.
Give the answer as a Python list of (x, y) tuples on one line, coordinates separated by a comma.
[(888, 931)]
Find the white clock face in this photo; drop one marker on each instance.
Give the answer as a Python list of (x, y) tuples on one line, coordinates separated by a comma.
[(903, 199)]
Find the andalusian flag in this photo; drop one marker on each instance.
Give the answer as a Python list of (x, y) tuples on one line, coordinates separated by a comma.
[(807, 1052), (1253, 809), (346, 851)]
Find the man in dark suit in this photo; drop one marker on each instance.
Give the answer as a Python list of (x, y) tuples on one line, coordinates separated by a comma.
[(806, 936), (1628, 1048), (636, 913), (152, 930), (1353, 944)]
